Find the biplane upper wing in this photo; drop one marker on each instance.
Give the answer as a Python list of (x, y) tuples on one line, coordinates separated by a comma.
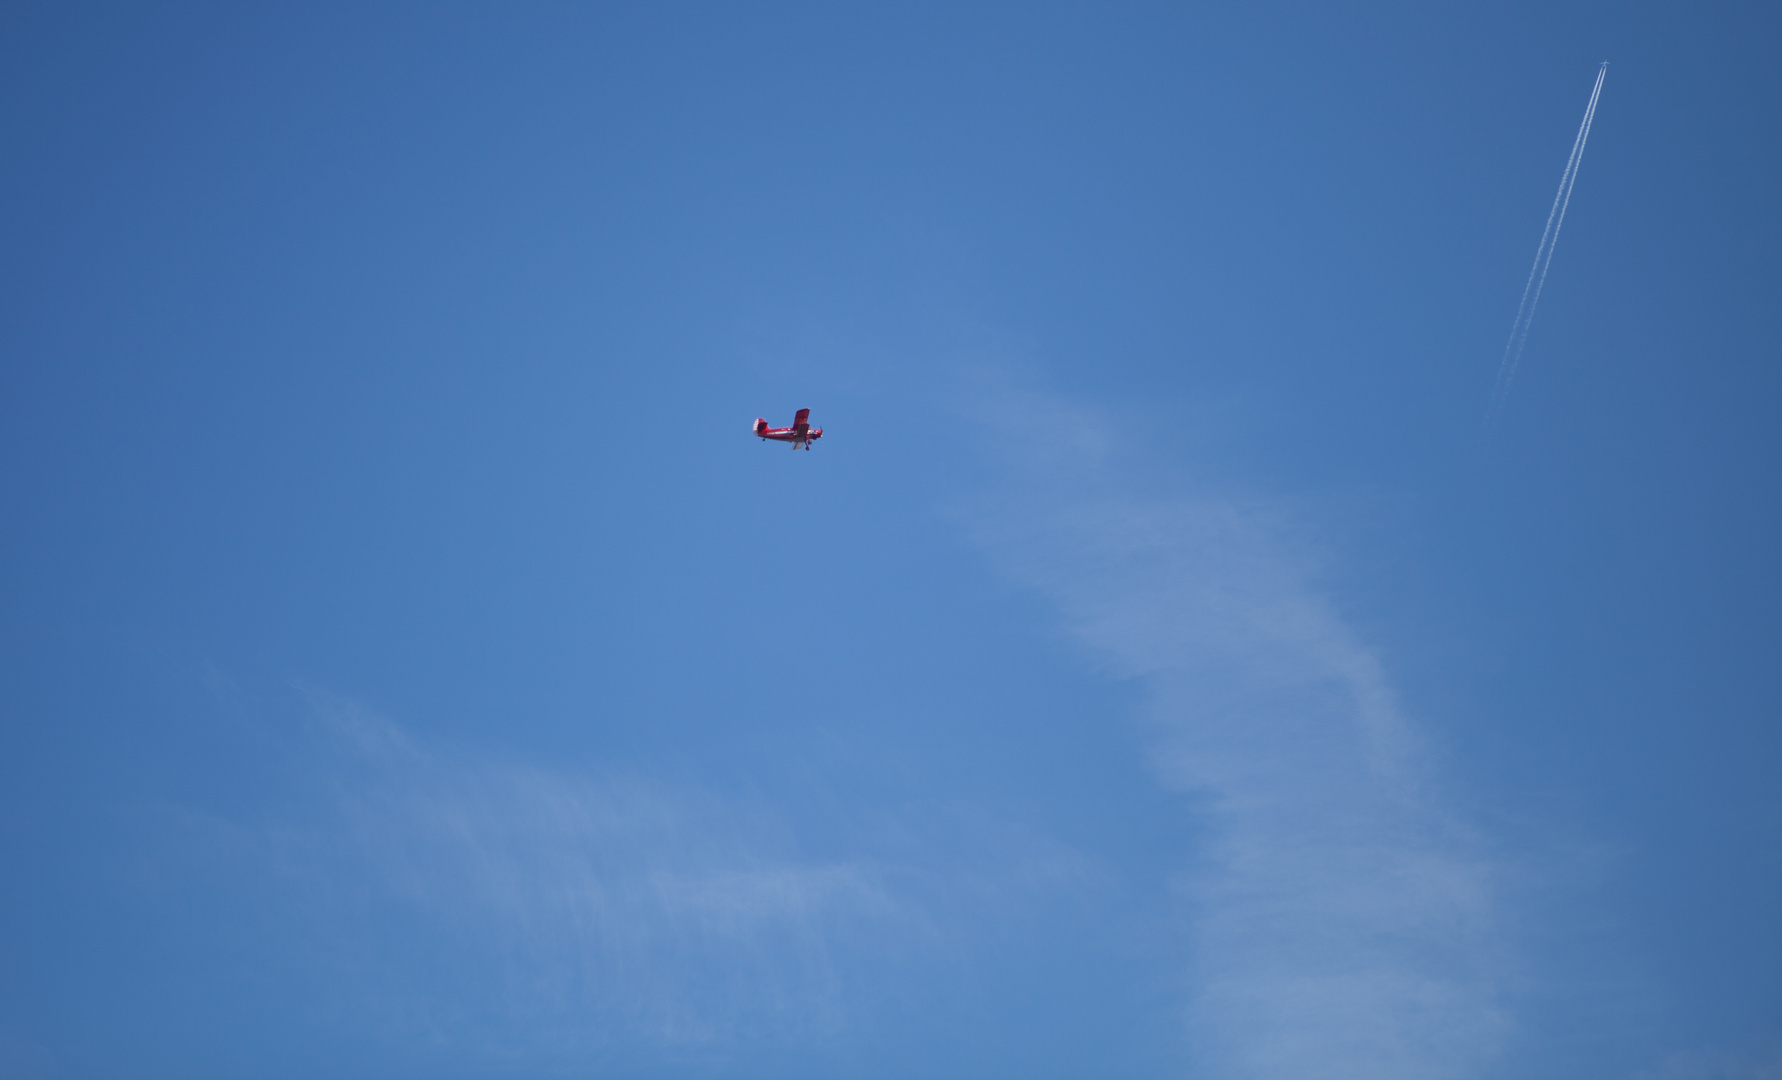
[(803, 419)]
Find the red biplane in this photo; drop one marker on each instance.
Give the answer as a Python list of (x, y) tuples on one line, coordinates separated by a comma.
[(801, 433)]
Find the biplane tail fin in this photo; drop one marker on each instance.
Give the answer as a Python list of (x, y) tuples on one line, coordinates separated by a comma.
[(760, 425)]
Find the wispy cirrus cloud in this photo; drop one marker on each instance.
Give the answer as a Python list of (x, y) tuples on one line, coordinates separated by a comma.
[(494, 909), (440, 900), (1344, 922)]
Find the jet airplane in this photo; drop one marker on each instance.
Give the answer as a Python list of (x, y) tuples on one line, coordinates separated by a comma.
[(801, 433)]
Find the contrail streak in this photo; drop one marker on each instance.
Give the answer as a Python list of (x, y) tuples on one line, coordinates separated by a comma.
[(1537, 275)]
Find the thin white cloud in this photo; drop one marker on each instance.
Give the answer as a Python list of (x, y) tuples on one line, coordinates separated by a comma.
[(1343, 920), (438, 901), (503, 910)]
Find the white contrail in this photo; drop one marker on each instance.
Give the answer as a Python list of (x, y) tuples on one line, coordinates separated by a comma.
[(1537, 275)]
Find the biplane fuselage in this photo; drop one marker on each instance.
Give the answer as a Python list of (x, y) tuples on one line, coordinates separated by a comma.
[(801, 433)]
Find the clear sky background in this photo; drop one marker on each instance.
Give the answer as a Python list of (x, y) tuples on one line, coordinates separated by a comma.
[(410, 666)]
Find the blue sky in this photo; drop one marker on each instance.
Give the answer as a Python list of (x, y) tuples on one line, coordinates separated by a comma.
[(411, 667)]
